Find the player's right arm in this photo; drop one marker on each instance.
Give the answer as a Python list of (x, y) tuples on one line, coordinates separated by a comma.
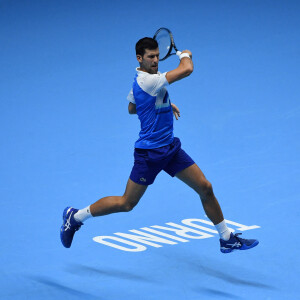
[(184, 69)]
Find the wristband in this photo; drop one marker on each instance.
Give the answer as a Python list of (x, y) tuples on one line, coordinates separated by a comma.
[(182, 55)]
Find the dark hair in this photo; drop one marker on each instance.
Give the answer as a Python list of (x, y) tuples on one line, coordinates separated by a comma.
[(145, 43)]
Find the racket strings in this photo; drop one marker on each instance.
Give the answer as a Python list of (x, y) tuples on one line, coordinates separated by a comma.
[(164, 41)]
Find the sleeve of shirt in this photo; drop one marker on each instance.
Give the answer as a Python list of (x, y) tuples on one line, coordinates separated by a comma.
[(153, 83), (130, 97)]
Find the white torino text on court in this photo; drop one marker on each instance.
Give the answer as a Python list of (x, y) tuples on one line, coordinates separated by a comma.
[(183, 233)]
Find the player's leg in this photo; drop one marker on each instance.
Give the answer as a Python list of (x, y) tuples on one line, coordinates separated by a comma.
[(125, 203), (73, 218), (142, 174), (183, 167), (195, 178)]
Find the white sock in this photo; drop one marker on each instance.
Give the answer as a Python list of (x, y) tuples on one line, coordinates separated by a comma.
[(83, 214), (223, 230)]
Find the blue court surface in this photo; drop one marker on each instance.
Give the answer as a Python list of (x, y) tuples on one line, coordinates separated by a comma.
[(67, 139)]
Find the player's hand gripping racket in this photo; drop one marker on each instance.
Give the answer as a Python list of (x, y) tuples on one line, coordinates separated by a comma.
[(166, 44)]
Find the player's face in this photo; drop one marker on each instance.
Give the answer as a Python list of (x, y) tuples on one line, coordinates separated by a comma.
[(149, 61)]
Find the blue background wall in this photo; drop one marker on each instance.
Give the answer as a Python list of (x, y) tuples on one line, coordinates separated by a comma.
[(67, 139)]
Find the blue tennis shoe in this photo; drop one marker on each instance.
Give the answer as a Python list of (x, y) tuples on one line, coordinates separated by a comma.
[(69, 226), (236, 243)]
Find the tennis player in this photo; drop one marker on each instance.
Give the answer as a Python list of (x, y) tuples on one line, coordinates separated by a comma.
[(156, 149)]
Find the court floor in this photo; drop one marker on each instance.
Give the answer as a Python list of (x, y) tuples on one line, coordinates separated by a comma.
[(67, 139)]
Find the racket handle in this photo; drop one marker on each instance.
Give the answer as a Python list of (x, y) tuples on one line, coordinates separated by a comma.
[(178, 53)]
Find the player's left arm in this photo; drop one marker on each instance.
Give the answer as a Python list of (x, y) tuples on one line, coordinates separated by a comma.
[(131, 108), (176, 111)]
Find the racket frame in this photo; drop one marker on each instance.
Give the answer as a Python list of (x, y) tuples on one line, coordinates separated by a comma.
[(172, 42)]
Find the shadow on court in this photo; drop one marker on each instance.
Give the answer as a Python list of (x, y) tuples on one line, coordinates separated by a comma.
[(54, 288), (215, 293), (219, 270), (229, 277), (82, 270)]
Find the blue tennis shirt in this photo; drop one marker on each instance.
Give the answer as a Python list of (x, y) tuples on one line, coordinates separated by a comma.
[(153, 107)]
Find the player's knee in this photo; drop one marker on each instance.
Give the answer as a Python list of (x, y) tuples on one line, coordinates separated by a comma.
[(206, 189), (125, 205), (128, 207)]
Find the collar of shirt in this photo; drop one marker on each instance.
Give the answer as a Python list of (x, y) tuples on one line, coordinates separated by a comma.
[(143, 72)]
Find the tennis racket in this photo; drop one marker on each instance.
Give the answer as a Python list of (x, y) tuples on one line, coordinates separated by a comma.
[(166, 44)]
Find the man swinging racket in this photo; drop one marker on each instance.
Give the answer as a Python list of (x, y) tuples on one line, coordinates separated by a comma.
[(156, 149)]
